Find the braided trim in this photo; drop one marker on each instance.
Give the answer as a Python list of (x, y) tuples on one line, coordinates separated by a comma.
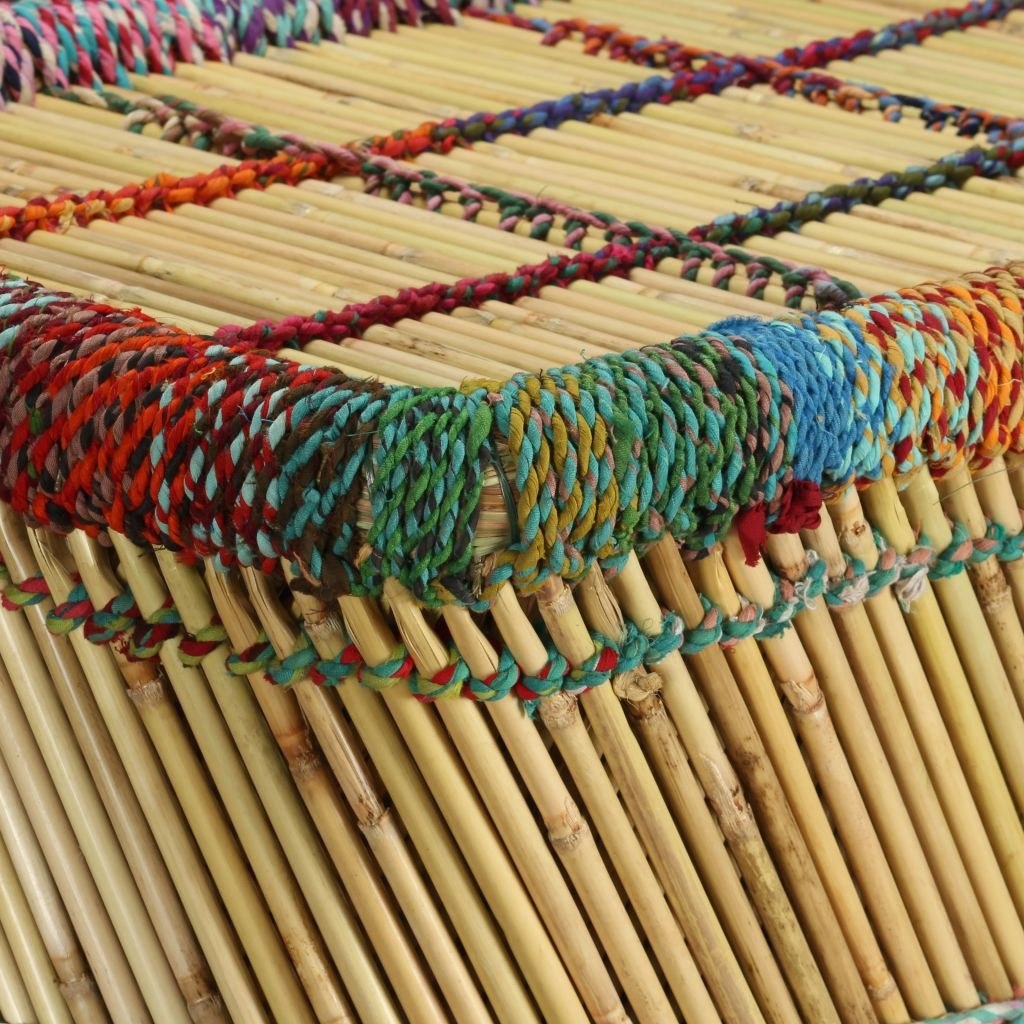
[(184, 122), (789, 72), (121, 622), (226, 452), (994, 1013)]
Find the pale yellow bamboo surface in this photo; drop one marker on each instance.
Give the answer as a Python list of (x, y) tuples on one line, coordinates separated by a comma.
[(820, 828)]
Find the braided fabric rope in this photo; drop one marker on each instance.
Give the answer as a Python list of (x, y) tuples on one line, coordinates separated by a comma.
[(63, 42), (995, 1013), (141, 637), (184, 122), (109, 419), (784, 78), (66, 42)]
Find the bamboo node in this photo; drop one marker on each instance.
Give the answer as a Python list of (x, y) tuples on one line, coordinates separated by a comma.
[(559, 711), (636, 685)]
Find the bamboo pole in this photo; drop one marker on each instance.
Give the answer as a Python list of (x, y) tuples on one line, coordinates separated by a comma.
[(54, 877), (953, 693), (192, 880), (255, 838), (466, 816), (414, 803), (969, 626), (32, 988), (14, 999), (141, 851), (800, 689), (897, 745), (748, 753), (143, 979), (650, 814), (916, 703), (738, 824), (591, 881)]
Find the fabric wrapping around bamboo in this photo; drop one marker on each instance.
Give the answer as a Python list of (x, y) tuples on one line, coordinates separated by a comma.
[(114, 421)]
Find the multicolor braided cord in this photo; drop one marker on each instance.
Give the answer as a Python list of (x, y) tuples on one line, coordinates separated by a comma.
[(110, 420)]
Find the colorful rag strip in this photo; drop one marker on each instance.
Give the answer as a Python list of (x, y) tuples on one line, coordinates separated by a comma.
[(65, 42), (784, 72), (140, 637), (111, 420), (994, 1013)]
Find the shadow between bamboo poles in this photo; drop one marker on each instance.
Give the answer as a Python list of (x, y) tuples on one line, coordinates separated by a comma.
[(220, 849), (848, 714), (575, 846), (274, 780), (969, 616), (650, 814), (573, 839), (177, 845), (473, 831), (35, 971), (640, 693), (413, 987), (112, 780), (799, 687), (377, 823), (751, 673), (257, 841), (748, 754), (471, 919), (515, 824), (959, 500), (899, 748), (718, 777), (993, 485), (82, 945), (150, 982), (935, 743), (15, 1003)]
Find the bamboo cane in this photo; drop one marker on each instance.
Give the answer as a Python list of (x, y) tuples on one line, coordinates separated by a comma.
[(965, 616), (562, 719), (800, 689), (894, 734), (474, 833), (935, 743), (747, 752), (650, 814), (31, 985), (255, 838), (155, 885), (273, 781), (14, 1000), (220, 851), (202, 904), (415, 805), (877, 785), (113, 881), (939, 657), (596, 892), (733, 813), (39, 838)]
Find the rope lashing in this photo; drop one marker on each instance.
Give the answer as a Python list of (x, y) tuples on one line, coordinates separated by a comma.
[(207, 446), (141, 637)]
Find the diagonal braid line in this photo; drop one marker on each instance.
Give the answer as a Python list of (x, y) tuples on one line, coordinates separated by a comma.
[(110, 420), (184, 122)]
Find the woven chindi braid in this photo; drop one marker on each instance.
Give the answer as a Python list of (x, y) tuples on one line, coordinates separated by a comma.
[(88, 41), (113, 421)]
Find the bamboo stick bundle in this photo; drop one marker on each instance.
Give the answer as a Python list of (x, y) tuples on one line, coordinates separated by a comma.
[(816, 824)]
